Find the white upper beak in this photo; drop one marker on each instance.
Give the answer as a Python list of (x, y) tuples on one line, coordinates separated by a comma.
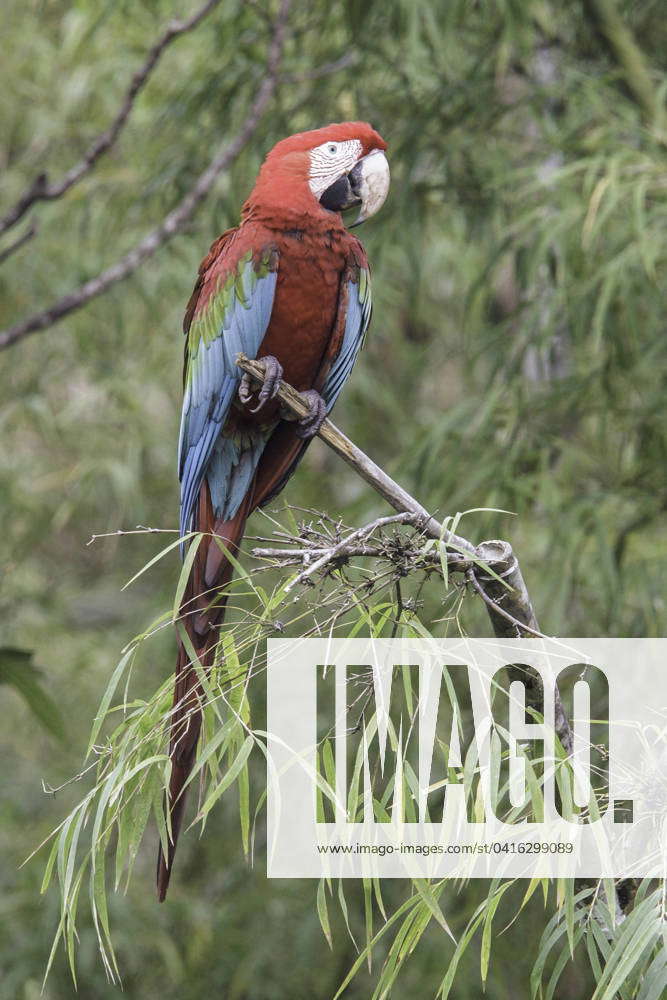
[(373, 184)]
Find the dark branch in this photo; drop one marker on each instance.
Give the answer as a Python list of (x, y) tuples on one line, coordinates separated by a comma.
[(177, 218), (41, 189)]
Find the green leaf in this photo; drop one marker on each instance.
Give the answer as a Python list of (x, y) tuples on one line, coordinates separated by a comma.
[(323, 912), (155, 559), (106, 698), (17, 670), (228, 778), (184, 575)]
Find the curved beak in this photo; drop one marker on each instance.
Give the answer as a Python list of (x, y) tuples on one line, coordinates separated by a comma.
[(369, 181), (366, 185)]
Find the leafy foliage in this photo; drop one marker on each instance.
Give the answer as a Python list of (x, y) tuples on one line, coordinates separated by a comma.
[(516, 362)]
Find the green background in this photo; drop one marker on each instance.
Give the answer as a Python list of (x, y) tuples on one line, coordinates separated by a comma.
[(516, 360)]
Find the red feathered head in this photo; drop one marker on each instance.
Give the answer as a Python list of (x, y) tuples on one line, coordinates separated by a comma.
[(323, 171)]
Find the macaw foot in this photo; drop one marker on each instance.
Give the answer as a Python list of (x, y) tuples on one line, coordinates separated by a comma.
[(309, 425), (273, 372)]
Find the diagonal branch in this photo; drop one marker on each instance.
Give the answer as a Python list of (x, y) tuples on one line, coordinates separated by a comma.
[(20, 241), (491, 567), (41, 189), (394, 494), (494, 566), (177, 218)]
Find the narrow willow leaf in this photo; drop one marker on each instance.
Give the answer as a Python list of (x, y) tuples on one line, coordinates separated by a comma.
[(403, 908), (106, 699), (184, 575), (343, 908), (228, 779), (562, 960), (368, 919), (323, 912), (485, 950), (464, 941), (48, 869), (429, 898), (216, 747), (244, 808), (157, 558)]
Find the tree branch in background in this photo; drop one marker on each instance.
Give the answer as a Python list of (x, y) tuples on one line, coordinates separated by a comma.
[(41, 189), (178, 217), (18, 243), (492, 564), (624, 48), (326, 69)]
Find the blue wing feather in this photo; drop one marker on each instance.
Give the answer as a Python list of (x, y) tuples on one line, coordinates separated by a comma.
[(356, 324), (212, 379)]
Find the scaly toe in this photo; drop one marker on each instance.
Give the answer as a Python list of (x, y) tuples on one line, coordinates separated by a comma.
[(245, 389), (309, 425), (273, 372)]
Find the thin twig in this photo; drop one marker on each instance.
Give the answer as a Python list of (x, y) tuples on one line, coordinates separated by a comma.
[(341, 548), (298, 555), (41, 189), (389, 549), (177, 218), (50, 790), (139, 530), (399, 609)]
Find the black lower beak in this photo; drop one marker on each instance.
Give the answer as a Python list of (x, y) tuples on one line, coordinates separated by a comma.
[(341, 194), (354, 177)]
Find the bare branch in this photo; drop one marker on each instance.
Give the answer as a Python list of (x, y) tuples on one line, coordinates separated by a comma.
[(288, 557), (177, 218), (139, 530), (18, 243), (41, 189), (319, 550), (495, 569), (394, 494), (497, 609), (340, 548)]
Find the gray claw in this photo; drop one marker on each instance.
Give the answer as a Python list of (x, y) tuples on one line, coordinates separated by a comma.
[(245, 389), (273, 372), (309, 425)]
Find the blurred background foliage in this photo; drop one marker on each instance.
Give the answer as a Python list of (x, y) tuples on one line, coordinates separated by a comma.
[(517, 360)]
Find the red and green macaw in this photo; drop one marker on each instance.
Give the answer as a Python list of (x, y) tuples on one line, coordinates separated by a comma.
[(289, 286)]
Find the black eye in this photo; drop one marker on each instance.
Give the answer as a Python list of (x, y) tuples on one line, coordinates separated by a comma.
[(332, 147)]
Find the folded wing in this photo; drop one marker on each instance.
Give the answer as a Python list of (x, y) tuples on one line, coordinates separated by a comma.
[(234, 317)]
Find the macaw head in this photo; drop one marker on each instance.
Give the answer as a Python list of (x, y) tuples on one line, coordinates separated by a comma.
[(329, 169)]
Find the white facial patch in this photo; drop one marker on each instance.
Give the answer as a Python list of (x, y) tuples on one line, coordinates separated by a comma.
[(329, 161)]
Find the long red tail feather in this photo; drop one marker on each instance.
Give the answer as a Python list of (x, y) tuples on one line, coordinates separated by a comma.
[(210, 573)]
